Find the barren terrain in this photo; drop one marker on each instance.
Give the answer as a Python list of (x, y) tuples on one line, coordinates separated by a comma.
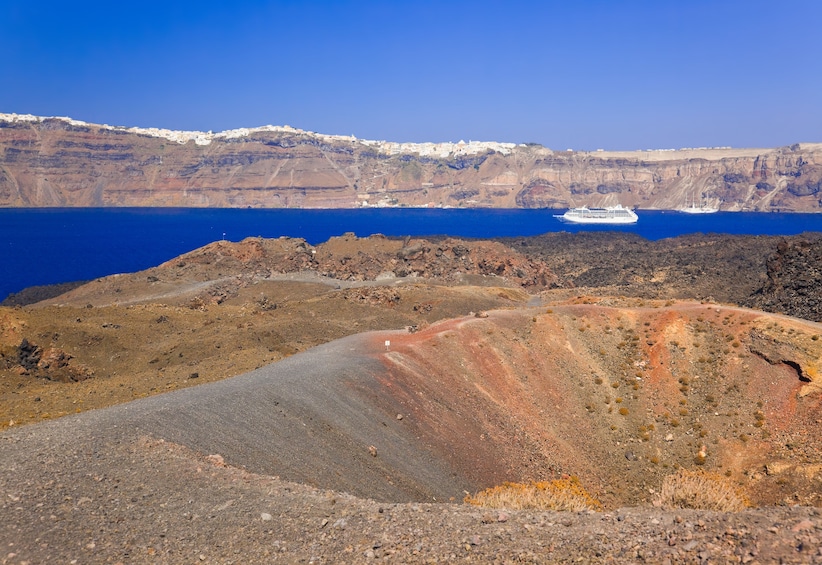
[(410, 373)]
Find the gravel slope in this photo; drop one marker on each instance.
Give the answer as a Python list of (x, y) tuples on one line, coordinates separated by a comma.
[(305, 418), (148, 501), (159, 480)]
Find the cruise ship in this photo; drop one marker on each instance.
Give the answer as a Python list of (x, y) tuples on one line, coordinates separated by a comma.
[(610, 215)]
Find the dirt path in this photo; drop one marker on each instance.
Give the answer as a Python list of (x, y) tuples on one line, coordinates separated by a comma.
[(306, 418)]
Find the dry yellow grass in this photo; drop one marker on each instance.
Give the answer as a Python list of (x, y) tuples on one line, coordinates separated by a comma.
[(700, 490), (561, 494)]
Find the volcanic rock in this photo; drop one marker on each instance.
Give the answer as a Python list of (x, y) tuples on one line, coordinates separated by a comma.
[(64, 162), (794, 283)]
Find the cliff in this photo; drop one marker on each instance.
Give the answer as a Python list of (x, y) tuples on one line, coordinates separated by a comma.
[(63, 162)]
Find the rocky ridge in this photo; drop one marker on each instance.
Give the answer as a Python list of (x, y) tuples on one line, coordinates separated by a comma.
[(64, 162)]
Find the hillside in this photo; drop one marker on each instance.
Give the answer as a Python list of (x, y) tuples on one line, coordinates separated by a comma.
[(378, 381), (63, 162), (230, 307)]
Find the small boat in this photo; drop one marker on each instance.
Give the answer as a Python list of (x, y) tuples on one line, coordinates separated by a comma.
[(610, 215), (694, 209)]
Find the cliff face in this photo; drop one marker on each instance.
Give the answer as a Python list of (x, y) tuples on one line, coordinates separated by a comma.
[(62, 162)]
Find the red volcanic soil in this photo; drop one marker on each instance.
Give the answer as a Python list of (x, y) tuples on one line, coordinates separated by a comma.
[(496, 375), (618, 396)]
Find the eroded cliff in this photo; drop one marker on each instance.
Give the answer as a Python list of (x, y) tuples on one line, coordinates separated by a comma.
[(63, 162)]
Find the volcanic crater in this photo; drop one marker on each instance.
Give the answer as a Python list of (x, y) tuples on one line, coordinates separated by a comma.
[(420, 370)]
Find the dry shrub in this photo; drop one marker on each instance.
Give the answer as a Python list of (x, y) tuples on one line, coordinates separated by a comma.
[(700, 490), (561, 494)]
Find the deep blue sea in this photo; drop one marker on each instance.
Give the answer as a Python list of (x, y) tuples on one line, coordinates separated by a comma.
[(46, 246)]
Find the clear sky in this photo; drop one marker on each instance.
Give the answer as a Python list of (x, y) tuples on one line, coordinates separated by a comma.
[(581, 74)]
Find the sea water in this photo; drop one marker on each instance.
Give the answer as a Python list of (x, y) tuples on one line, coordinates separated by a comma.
[(53, 245)]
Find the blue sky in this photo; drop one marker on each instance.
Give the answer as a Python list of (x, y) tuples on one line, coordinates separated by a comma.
[(585, 74)]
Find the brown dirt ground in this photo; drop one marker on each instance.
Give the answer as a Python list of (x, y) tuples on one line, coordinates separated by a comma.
[(618, 391)]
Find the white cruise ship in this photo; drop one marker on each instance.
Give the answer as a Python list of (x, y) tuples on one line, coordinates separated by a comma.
[(610, 215)]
